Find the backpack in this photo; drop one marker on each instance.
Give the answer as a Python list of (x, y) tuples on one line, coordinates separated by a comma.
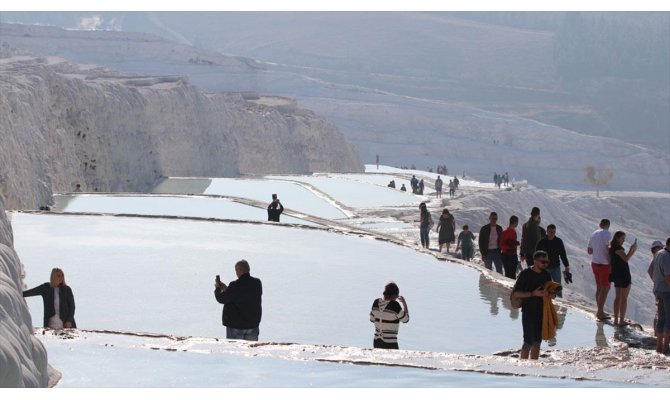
[(430, 222)]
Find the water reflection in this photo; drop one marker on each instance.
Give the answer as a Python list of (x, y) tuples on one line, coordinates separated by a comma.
[(489, 293), (61, 202), (166, 205), (183, 186), (492, 292), (561, 312), (601, 340), (129, 242)]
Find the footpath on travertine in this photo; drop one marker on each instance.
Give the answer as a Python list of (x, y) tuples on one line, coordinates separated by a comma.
[(594, 363)]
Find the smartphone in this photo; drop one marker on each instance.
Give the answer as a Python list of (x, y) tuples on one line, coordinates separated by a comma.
[(274, 196), (218, 279)]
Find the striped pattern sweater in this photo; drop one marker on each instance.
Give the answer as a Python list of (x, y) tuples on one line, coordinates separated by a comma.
[(387, 315)]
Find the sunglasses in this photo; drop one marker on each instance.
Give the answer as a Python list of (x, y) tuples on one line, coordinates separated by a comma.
[(544, 262)]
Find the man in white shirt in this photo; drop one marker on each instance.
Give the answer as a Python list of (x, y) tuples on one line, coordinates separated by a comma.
[(598, 248)]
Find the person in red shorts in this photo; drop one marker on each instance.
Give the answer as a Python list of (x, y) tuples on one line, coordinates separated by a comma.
[(598, 248)]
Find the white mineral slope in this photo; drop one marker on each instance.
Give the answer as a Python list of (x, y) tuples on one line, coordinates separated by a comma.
[(23, 358), (68, 124), (326, 267), (427, 133), (403, 130), (300, 287), (576, 214)]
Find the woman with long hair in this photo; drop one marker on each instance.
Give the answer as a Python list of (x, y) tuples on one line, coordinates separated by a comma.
[(58, 301), (446, 228), (425, 223), (620, 275)]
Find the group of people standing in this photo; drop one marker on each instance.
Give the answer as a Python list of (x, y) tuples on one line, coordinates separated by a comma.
[(609, 263), (452, 185), (542, 251), (500, 179), (417, 185), (446, 231), (502, 249), (393, 186)]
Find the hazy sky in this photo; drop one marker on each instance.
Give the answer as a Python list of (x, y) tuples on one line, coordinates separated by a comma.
[(331, 5)]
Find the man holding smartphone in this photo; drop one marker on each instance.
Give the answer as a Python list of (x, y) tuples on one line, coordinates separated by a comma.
[(241, 301), (275, 209)]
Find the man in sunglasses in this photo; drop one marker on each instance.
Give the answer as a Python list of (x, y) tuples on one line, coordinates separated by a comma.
[(529, 288)]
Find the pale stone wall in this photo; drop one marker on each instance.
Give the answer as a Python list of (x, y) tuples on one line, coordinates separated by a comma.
[(65, 124)]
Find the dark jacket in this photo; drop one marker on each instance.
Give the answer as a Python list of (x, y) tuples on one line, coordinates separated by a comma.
[(241, 302), (484, 234), (66, 309), (530, 235), (274, 212), (555, 250)]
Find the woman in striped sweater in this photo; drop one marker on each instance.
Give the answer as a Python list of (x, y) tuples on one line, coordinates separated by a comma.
[(387, 314)]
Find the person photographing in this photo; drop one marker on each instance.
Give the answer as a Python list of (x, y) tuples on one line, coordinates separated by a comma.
[(387, 314), (275, 209), (241, 299)]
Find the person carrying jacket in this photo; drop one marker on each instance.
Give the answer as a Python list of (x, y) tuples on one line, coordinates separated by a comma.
[(530, 288)]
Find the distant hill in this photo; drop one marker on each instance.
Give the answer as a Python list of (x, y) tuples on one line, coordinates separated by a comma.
[(596, 73), (427, 81)]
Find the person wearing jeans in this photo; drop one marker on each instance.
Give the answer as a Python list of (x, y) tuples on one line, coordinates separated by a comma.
[(241, 303), (554, 247), (489, 243), (508, 248), (661, 278), (425, 223)]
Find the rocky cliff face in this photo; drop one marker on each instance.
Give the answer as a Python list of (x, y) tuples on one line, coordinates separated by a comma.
[(23, 359), (66, 124), (63, 124)]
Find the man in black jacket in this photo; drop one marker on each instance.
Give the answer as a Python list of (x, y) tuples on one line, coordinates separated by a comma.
[(530, 235), (553, 246), (241, 303), (489, 243)]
